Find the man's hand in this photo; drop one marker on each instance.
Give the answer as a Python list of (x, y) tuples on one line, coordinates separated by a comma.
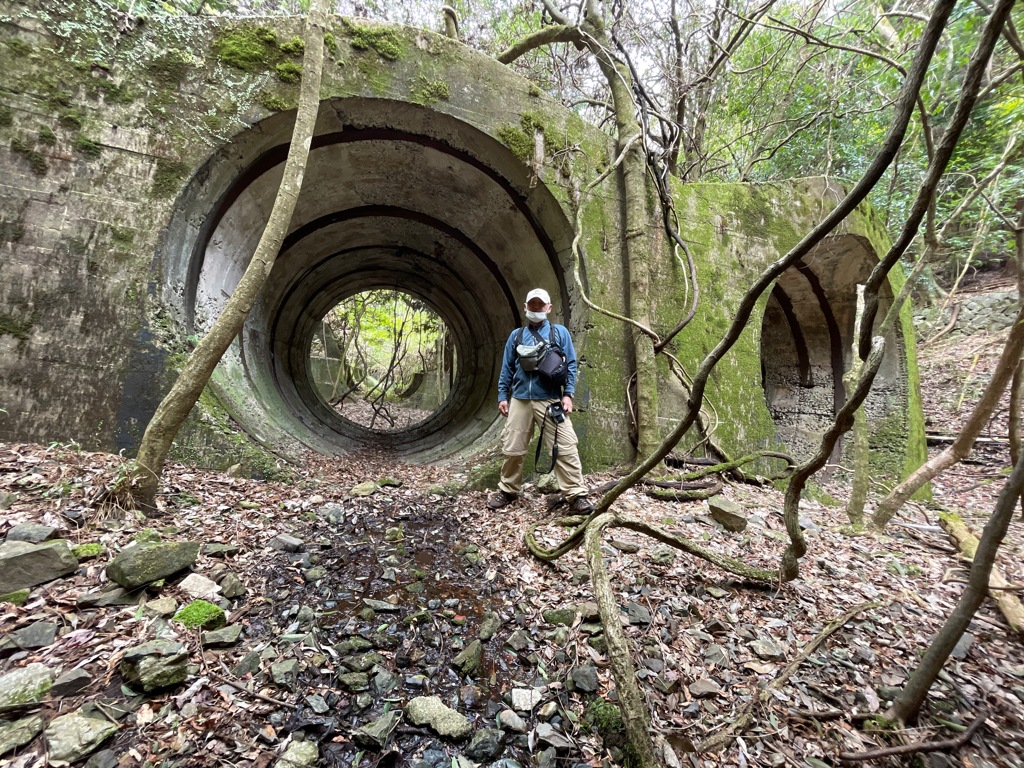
[(567, 404), (503, 407)]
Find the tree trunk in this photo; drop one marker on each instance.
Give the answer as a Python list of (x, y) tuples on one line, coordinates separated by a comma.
[(175, 407), (908, 702), (1016, 421), (861, 452)]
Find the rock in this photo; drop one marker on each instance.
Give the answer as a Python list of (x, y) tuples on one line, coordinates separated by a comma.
[(72, 737), (17, 597), (381, 606), (636, 613), (363, 662), (353, 644), (200, 587), (963, 645), (162, 608), (37, 635), (220, 550), (306, 618), (24, 686), (143, 564), (221, 638), (106, 758), (429, 710), (626, 547), (469, 660), (383, 682), (376, 734), (585, 678), (285, 673), (548, 734), (33, 533), (506, 763), (704, 688), (489, 626), (525, 699), (727, 513), (766, 649), (354, 681), (560, 616), (7, 500), (231, 586), (300, 754), (546, 759), (663, 556), (71, 682), (202, 614), (364, 489), (26, 565), (286, 543), (111, 595), (250, 663), (485, 745), (155, 665), (518, 641), (547, 710), (19, 733), (318, 704), (510, 721)]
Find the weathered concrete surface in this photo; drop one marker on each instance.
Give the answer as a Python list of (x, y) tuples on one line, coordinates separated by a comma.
[(139, 161)]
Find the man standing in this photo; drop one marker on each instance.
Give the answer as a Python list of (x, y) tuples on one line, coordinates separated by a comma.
[(524, 397)]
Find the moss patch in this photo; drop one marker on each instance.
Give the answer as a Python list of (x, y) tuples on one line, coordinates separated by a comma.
[(88, 148), (200, 613), (430, 91), (289, 72), (6, 116), (384, 40), (516, 139), (11, 231), (294, 47), (250, 49), (168, 177), (47, 137), (170, 69), (88, 551), (19, 328), (276, 103), (35, 159)]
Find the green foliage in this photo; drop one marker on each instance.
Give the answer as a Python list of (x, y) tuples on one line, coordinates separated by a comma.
[(200, 613), (35, 159), (250, 49), (384, 40), (289, 72)]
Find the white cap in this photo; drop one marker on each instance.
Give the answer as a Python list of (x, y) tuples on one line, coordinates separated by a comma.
[(538, 293)]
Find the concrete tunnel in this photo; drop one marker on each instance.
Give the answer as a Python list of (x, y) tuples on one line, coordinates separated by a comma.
[(395, 196)]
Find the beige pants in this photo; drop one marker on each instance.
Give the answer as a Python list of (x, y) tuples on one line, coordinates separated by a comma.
[(523, 417)]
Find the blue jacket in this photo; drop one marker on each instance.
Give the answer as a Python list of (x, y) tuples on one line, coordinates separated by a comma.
[(528, 385)]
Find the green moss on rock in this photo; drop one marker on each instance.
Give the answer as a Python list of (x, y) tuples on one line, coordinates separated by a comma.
[(294, 47), (88, 148), (170, 69), (88, 551), (384, 40), (275, 103), (47, 137), (516, 139), (35, 159), (6, 116), (168, 177), (200, 613), (250, 49), (289, 72), (430, 91)]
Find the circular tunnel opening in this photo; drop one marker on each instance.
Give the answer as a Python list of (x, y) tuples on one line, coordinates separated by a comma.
[(383, 359), (396, 197), (807, 334)]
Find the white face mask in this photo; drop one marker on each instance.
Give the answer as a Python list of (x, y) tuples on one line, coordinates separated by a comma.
[(536, 317)]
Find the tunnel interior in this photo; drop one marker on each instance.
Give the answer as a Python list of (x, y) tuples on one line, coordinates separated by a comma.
[(395, 197), (806, 337)]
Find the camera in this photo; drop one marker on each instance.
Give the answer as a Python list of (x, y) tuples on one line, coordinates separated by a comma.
[(556, 412)]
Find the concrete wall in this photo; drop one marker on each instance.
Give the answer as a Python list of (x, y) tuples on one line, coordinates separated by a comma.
[(139, 158)]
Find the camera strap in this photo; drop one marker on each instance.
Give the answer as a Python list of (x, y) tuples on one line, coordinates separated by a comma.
[(540, 442)]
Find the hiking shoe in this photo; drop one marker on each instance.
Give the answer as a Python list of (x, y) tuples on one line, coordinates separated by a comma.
[(500, 499), (581, 505)]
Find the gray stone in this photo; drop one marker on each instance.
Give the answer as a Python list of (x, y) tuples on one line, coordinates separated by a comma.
[(25, 686), (547, 710), (220, 550), (636, 613), (138, 564), (485, 745), (306, 618), (155, 665), (525, 699), (468, 661), (506, 763), (33, 533), (364, 662), (285, 673), (318, 704), (111, 595), (300, 754), (26, 565), (560, 616), (489, 626), (164, 607), (518, 641), (546, 759), (7, 500), (768, 650), (727, 513), (221, 638), (626, 547), (38, 635), (354, 681), (963, 645), (510, 721), (429, 710), (380, 606), (548, 734), (231, 586), (106, 758), (663, 556), (376, 734), (383, 682), (704, 688), (585, 678), (250, 663), (19, 733), (72, 737), (286, 543), (364, 489), (199, 587), (71, 682)]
